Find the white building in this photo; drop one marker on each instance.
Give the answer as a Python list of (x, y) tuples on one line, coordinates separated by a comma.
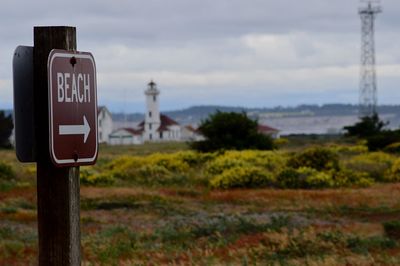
[(104, 123), (156, 126), (269, 131), (152, 119), (189, 133), (126, 136)]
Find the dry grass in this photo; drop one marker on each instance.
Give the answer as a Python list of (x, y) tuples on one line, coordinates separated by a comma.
[(98, 192), (294, 200), (144, 225), (244, 247)]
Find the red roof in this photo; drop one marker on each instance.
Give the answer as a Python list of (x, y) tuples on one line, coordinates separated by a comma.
[(266, 129), (166, 121), (132, 131)]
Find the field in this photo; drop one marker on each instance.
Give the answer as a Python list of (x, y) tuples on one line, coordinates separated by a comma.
[(162, 204)]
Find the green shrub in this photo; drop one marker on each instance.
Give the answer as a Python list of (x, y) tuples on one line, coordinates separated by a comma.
[(316, 167), (90, 177), (304, 177), (375, 164), (347, 178), (153, 171), (319, 158), (7, 177), (393, 175), (152, 168), (231, 131), (393, 148), (317, 179), (383, 139), (124, 166), (242, 177), (281, 142), (269, 160), (157, 175), (223, 163), (6, 172), (193, 158), (290, 178), (6, 128), (392, 229), (368, 126), (172, 162), (349, 149)]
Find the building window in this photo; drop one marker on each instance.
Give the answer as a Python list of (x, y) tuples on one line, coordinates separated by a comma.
[(154, 98), (150, 136), (149, 113), (161, 135), (150, 126), (100, 136)]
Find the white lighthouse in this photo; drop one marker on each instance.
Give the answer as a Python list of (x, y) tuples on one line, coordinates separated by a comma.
[(152, 117)]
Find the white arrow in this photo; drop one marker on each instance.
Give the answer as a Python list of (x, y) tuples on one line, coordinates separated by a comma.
[(76, 129)]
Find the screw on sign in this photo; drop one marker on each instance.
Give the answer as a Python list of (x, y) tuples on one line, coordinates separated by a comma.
[(72, 108)]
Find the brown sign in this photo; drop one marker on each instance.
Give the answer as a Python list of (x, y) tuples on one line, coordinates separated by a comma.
[(72, 108)]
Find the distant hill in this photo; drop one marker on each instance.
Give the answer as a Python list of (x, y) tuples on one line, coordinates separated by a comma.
[(195, 114), (302, 119)]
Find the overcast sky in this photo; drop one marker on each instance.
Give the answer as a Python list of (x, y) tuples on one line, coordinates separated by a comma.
[(253, 53)]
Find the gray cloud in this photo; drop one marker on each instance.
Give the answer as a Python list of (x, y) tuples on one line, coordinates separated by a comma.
[(255, 52)]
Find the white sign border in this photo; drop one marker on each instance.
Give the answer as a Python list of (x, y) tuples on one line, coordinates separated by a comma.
[(56, 53)]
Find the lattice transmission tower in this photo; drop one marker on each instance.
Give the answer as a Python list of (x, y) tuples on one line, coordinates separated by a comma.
[(368, 86)]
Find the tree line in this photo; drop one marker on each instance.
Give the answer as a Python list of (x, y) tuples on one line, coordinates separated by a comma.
[(6, 128)]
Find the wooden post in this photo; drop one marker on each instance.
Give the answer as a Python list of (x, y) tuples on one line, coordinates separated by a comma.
[(57, 188)]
